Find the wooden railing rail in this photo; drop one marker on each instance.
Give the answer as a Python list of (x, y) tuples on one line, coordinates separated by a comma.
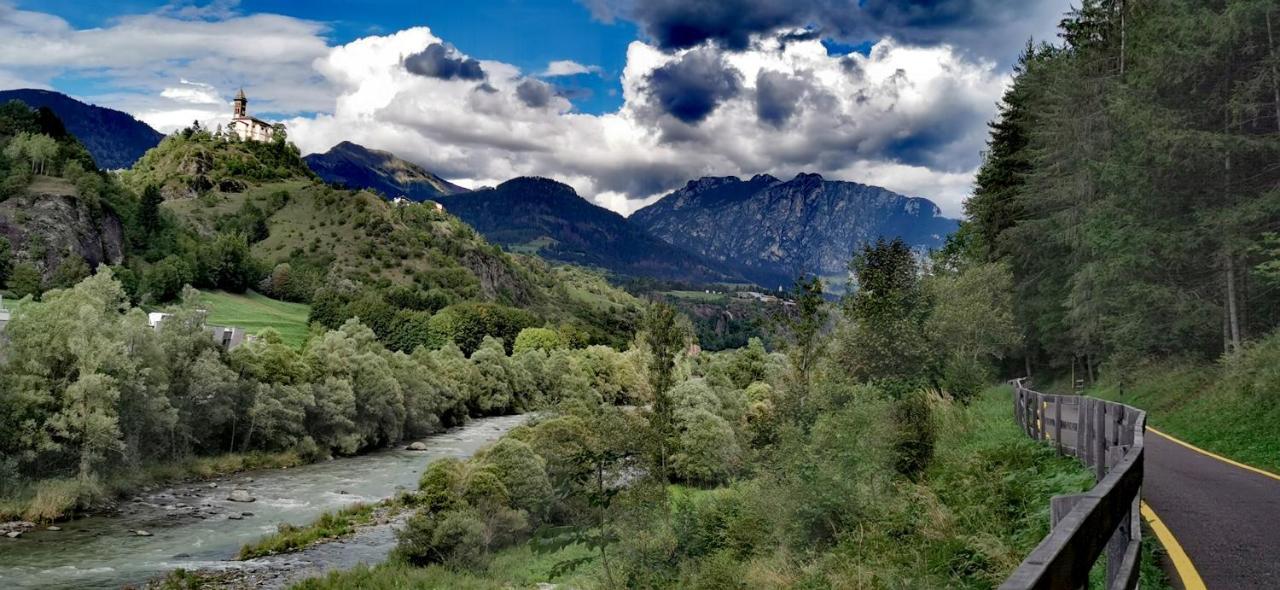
[(1108, 437)]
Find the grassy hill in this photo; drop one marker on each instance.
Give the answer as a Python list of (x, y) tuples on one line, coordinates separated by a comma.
[(256, 312), (381, 261)]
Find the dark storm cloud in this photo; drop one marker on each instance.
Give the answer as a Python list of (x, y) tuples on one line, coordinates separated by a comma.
[(438, 61), (535, 93), (691, 87), (778, 96), (986, 25)]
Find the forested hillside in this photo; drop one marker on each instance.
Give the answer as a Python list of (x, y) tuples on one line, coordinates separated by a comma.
[(1132, 188), (115, 139), (350, 253)]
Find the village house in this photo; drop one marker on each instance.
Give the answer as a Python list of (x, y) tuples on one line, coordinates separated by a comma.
[(227, 337), (246, 127)]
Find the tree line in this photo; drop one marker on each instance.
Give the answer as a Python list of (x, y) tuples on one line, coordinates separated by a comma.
[(89, 390), (1132, 184)]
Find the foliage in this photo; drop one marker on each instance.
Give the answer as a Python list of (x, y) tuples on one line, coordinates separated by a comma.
[(544, 339), (1139, 230)]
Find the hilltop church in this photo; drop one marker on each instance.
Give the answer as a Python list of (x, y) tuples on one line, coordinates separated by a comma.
[(246, 127)]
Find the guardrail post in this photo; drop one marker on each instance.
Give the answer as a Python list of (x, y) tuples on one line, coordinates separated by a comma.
[(1057, 422), (1099, 440), (1118, 545), (1059, 508)]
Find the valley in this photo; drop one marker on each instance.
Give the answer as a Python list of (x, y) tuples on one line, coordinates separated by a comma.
[(600, 295)]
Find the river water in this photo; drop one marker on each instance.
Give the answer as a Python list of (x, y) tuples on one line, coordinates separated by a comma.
[(192, 525)]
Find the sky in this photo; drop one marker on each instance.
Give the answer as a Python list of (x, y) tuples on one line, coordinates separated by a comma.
[(625, 100)]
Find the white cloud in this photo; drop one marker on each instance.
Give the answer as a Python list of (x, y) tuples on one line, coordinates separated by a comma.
[(565, 67), (911, 119), (153, 54), (193, 93)]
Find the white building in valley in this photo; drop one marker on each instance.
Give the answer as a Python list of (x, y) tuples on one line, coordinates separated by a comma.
[(248, 128), (227, 337)]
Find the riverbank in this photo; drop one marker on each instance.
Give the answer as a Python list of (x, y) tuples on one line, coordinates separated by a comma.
[(59, 499), (196, 526)]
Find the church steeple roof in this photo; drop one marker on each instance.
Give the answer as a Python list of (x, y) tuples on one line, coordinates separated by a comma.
[(240, 95)]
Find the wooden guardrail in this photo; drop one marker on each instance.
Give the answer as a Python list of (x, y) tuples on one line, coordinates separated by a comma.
[(1108, 437)]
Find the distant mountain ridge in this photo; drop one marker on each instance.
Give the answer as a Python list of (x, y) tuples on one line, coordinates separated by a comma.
[(548, 217), (774, 230), (115, 139), (352, 165)]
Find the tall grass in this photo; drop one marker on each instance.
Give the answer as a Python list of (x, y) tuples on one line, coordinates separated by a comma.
[(330, 525)]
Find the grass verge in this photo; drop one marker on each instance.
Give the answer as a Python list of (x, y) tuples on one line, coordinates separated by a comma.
[(1208, 405), (514, 567)]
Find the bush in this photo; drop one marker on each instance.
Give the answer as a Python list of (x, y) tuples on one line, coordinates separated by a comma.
[(724, 519), (523, 473), (58, 498), (438, 487), (538, 339), (454, 537), (916, 433), (964, 378), (461, 538), (709, 451)]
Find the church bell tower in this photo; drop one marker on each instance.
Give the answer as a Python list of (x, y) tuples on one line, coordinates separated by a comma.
[(241, 103)]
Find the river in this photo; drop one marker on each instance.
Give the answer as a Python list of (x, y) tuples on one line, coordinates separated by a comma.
[(193, 525)]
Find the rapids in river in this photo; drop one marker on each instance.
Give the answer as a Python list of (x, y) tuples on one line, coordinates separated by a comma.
[(195, 526)]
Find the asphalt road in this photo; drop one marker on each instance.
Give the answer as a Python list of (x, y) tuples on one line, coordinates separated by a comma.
[(1226, 518)]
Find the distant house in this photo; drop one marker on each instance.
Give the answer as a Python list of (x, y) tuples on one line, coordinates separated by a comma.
[(5, 315), (227, 337), (246, 127)]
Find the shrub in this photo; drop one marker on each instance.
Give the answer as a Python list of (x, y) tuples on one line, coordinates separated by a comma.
[(58, 498), (461, 539), (538, 339), (709, 451), (523, 473), (916, 433)]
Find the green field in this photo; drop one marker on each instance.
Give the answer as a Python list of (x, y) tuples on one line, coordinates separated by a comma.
[(255, 312), (697, 296)]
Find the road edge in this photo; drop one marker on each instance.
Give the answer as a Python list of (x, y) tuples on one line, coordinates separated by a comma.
[(1187, 574), (1214, 455)]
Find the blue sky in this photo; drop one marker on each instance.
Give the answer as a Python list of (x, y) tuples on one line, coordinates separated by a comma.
[(625, 100), (528, 34)]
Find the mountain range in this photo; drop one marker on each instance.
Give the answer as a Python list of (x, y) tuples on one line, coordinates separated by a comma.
[(355, 166), (772, 230), (115, 139), (714, 229), (543, 216)]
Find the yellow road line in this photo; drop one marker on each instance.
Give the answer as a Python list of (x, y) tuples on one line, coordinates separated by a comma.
[(1215, 455), (1181, 563)]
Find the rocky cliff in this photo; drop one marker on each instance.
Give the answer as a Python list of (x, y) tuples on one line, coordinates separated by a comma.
[(774, 230), (48, 223)]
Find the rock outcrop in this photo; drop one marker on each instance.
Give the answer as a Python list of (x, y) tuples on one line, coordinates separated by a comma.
[(49, 222)]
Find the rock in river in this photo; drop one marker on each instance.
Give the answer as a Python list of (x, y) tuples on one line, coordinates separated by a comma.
[(418, 446), (240, 496), (142, 533)]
